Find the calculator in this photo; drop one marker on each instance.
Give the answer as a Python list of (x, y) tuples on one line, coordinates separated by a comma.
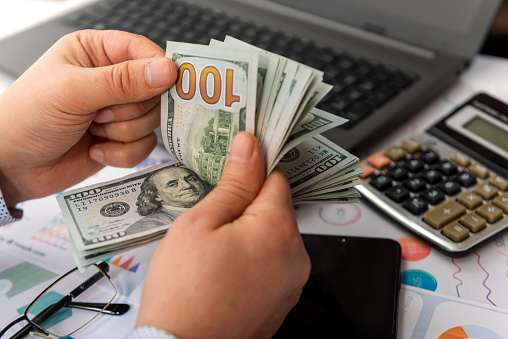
[(448, 184)]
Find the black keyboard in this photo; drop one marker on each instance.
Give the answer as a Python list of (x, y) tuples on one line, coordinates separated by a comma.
[(360, 85)]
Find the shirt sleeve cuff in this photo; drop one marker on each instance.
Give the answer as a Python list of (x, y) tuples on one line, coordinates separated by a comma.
[(8, 215), (148, 332)]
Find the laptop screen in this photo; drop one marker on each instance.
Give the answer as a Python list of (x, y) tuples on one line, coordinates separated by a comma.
[(453, 26)]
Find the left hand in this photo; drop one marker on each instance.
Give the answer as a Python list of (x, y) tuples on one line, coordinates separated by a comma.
[(91, 100)]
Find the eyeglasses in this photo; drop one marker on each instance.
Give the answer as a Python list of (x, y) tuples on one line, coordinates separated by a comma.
[(49, 315)]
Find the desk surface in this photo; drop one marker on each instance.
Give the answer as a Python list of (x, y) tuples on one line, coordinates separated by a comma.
[(479, 279)]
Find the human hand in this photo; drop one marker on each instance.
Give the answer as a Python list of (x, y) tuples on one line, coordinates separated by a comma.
[(91, 100), (234, 264)]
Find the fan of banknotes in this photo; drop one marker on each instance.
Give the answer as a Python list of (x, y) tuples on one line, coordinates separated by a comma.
[(222, 88)]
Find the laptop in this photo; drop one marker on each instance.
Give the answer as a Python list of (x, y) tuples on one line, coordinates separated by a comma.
[(385, 58)]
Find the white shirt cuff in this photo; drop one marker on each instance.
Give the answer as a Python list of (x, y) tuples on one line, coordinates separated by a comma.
[(8, 215), (148, 332)]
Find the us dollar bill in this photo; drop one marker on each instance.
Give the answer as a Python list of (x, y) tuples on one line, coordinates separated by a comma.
[(130, 208), (213, 99), (314, 161)]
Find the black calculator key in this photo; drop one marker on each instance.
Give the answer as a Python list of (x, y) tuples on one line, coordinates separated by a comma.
[(397, 173), (446, 167), (432, 176), (381, 182), (429, 157), (415, 184), (414, 165), (397, 193), (450, 187), (466, 179), (433, 196), (416, 205)]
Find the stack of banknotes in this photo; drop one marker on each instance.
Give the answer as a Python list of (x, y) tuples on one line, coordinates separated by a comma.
[(222, 88)]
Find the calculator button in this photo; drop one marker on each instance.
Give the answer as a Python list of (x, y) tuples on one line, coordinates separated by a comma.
[(414, 184), (456, 232), (395, 153), (397, 193), (486, 191), (502, 202), (446, 167), (368, 170), (381, 182), (411, 145), (465, 179), (490, 212), (450, 187), (499, 182), (444, 213), (378, 160), (433, 196), (461, 159), (474, 222), (415, 205), (432, 176), (429, 156), (480, 171), (470, 199), (414, 165), (397, 173)]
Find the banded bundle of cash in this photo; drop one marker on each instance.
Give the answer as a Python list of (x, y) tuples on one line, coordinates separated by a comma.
[(222, 88)]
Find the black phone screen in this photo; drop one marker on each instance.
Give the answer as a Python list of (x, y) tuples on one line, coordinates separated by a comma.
[(352, 291)]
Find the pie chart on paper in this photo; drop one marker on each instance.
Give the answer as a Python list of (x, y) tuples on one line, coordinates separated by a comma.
[(470, 331)]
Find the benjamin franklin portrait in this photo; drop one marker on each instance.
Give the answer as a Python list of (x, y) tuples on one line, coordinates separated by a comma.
[(165, 195)]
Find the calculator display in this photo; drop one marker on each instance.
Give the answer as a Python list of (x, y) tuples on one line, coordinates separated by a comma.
[(489, 132), (480, 127)]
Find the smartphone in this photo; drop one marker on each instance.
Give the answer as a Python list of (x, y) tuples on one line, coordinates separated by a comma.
[(352, 291)]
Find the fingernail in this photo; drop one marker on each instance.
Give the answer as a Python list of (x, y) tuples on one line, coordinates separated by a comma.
[(97, 154), (157, 73), (97, 130), (242, 148), (104, 115)]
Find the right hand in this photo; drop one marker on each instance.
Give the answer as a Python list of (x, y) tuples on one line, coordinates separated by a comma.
[(234, 265)]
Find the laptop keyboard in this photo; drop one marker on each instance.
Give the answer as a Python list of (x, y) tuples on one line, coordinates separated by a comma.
[(360, 85)]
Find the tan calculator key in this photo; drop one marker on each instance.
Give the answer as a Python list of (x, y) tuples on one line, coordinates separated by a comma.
[(470, 199), (499, 182), (486, 191), (411, 145), (490, 212), (474, 222), (378, 160), (480, 171), (461, 159), (395, 153), (456, 232), (444, 214), (502, 202)]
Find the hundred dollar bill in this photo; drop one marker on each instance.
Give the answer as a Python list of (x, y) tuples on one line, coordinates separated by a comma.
[(213, 99), (127, 209), (313, 161), (316, 122)]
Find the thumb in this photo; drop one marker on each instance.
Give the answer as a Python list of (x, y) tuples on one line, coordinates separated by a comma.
[(131, 81), (241, 181)]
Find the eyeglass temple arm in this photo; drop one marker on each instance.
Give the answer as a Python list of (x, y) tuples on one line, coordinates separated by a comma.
[(112, 309)]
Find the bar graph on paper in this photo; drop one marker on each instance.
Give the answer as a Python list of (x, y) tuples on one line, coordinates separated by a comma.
[(128, 263)]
